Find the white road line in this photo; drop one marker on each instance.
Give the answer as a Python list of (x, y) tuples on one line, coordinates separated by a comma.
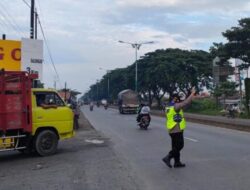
[(194, 140)]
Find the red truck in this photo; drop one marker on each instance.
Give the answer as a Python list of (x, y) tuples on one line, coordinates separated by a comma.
[(25, 124)]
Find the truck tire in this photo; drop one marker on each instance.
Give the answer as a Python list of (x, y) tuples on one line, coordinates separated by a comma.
[(46, 143), (121, 110)]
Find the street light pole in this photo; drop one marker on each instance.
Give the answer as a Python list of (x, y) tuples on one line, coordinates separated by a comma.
[(108, 88), (137, 47), (97, 81), (108, 71)]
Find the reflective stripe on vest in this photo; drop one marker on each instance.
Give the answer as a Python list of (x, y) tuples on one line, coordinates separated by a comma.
[(173, 118)]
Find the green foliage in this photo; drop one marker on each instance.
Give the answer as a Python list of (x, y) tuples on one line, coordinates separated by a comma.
[(159, 72), (227, 88), (238, 45), (201, 104), (204, 106)]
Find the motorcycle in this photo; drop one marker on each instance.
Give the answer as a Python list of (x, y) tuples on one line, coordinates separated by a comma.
[(105, 106), (91, 107), (144, 122)]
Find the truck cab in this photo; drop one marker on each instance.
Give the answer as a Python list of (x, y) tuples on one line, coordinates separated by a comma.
[(49, 110), (51, 119), (31, 119)]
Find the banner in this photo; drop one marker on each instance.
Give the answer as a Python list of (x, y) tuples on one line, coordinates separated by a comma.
[(10, 55), (32, 56)]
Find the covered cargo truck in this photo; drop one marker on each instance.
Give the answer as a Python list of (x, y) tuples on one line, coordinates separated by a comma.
[(31, 119), (128, 101)]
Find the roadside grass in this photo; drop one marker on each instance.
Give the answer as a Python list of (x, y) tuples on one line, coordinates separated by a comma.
[(212, 112), (208, 106)]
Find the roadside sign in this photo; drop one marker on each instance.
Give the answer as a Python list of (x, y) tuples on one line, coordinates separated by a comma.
[(32, 56), (10, 55)]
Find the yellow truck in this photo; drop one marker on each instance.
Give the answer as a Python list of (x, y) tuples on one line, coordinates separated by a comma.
[(31, 119)]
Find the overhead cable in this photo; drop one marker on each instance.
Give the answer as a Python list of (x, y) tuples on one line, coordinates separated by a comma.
[(7, 16), (26, 3), (49, 52)]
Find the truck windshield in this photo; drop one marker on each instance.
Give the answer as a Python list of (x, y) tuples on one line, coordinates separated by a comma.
[(48, 98)]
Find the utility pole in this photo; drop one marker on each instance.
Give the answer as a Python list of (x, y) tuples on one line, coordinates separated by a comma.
[(240, 83), (97, 81), (137, 47), (36, 17), (65, 92), (55, 80), (55, 85), (32, 10), (107, 73), (108, 87)]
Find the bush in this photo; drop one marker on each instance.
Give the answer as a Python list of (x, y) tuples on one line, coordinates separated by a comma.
[(204, 106), (201, 104)]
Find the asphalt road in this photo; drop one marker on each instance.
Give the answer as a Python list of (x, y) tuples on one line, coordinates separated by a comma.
[(85, 162), (216, 158)]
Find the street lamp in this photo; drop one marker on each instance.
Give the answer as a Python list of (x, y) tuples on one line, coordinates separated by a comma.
[(108, 71), (137, 47), (97, 81)]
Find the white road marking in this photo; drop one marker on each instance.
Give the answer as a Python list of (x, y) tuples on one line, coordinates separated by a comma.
[(94, 141), (194, 140)]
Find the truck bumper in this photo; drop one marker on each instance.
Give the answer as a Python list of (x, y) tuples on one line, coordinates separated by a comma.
[(67, 135)]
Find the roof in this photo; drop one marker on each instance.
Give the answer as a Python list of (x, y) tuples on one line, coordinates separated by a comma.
[(62, 94)]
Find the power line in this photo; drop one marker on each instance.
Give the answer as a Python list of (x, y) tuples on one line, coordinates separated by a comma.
[(27, 3), (49, 52), (10, 19), (6, 21), (40, 12), (5, 17)]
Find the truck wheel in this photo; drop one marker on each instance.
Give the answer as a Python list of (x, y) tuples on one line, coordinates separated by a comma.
[(120, 110), (46, 143)]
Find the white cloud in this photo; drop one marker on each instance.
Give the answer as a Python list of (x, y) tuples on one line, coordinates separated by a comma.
[(146, 3), (83, 35), (194, 5)]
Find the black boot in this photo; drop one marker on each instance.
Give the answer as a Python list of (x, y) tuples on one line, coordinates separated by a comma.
[(167, 160), (179, 165)]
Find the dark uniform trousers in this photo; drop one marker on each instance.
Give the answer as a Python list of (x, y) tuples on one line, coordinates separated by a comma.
[(177, 145)]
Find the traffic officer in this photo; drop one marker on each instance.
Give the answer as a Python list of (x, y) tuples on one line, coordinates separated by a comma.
[(176, 124)]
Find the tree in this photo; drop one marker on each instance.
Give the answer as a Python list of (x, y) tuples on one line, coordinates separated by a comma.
[(159, 72), (225, 89), (238, 45), (173, 70)]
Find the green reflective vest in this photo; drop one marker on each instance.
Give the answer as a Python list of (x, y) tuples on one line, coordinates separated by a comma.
[(173, 118)]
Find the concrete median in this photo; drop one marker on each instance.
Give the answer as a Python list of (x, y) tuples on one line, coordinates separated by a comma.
[(232, 123)]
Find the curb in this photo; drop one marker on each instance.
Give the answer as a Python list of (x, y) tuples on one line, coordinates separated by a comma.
[(231, 123)]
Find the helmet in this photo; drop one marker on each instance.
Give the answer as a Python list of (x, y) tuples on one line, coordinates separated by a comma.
[(175, 96), (142, 104)]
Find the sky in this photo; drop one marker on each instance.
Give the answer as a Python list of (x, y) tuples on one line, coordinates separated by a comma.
[(82, 35)]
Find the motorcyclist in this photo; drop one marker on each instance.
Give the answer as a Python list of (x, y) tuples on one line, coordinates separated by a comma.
[(144, 110), (91, 105), (105, 105)]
